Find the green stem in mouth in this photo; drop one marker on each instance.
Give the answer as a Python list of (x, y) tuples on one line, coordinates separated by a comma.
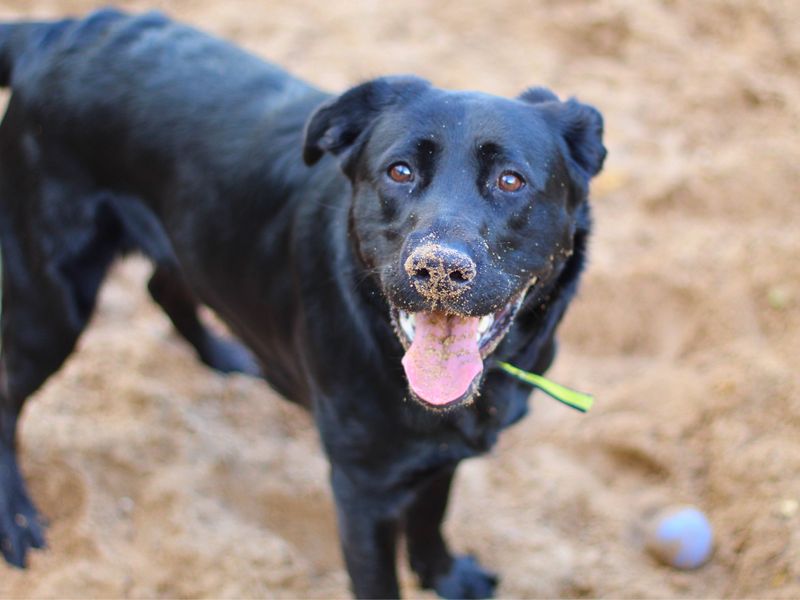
[(576, 400)]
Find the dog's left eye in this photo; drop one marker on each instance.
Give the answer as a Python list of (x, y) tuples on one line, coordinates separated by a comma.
[(401, 172), (510, 181)]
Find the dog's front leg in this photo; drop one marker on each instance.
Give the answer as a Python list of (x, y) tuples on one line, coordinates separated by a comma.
[(368, 528), (430, 558)]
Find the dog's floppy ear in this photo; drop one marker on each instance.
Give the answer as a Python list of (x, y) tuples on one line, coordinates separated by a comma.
[(581, 126), (337, 124)]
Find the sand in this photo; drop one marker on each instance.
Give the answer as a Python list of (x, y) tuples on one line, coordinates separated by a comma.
[(160, 478)]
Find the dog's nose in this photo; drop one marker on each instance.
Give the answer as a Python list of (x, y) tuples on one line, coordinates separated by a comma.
[(438, 271)]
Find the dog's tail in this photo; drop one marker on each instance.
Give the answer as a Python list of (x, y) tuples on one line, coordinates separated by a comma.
[(15, 38)]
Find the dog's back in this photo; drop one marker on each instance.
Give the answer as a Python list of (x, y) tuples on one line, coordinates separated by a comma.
[(146, 93)]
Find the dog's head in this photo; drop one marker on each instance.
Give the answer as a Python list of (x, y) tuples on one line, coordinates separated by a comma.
[(463, 203)]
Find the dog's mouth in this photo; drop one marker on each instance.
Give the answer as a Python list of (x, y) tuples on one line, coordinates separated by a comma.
[(445, 352)]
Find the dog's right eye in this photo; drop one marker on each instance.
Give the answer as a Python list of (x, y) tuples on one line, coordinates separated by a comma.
[(400, 172), (510, 181)]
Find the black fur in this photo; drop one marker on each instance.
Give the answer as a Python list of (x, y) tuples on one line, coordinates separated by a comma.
[(135, 133)]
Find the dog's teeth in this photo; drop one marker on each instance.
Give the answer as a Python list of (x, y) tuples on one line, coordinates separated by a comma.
[(483, 326), (485, 323), (407, 324)]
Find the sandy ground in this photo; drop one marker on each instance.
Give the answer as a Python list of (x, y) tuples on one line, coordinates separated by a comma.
[(160, 478)]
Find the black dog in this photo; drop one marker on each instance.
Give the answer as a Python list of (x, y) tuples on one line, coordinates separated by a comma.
[(377, 252)]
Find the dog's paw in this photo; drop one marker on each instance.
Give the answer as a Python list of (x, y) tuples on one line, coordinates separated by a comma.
[(466, 579), (20, 526)]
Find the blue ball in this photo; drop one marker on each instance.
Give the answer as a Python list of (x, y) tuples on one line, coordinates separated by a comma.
[(681, 537)]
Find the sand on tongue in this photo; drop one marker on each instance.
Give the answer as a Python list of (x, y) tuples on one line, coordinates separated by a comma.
[(444, 357)]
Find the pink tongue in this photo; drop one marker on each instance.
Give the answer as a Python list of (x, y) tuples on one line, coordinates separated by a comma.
[(444, 357)]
